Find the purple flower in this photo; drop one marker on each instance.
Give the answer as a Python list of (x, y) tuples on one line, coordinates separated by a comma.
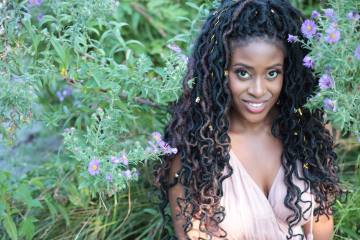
[(35, 3), (60, 96), (124, 160), (115, 160), (109, 177), (175, 48), (353, 16), (156, 136), (329, 13), (329, 104), (292, 38), (332, 35), (127, 173), (357, 52), (67, 91), (315, 14), (153, 148), (94, 167), (40, 17), (308, 28), (308, 62), (326, 82), (137, 173)]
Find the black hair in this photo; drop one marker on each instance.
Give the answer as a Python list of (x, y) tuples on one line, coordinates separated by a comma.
[(199, 124)]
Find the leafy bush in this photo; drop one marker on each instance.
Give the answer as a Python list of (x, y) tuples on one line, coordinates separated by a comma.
[(85, 83)]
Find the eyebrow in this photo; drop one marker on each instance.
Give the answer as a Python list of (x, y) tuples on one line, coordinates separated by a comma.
[(247, 66)]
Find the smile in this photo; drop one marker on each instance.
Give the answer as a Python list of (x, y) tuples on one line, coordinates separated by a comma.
[(255, 107)]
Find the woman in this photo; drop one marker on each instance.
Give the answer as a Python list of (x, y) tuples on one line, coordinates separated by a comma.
[(252, 162)]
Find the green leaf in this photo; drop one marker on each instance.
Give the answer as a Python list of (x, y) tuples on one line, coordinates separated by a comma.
[(27, 228), (10, 227)]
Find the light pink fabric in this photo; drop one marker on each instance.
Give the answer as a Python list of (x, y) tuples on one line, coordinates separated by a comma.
[(252, 216)]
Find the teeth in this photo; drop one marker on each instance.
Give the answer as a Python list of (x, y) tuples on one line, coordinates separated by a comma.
[(256, 105)]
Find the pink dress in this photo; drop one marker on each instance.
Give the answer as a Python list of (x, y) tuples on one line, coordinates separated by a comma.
[(252, 216)]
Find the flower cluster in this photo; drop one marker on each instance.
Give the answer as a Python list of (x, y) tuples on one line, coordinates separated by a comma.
[(332, 35), (121, 160), (63, 93), (157, 145)]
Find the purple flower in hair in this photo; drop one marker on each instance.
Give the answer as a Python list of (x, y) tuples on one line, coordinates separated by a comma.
[(329, 104), (357, 52), (308, 62), (308, 28), (292, 38), (332, 35), (315, 14), (94, 167), (326, 82)]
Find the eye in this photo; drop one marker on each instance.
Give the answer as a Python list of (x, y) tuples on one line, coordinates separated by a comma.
[(242, 73), (273, 74)]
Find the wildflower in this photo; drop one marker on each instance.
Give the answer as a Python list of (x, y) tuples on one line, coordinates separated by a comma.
[(308, 62), (357, 52), (40, 17), (353, 16), (315, 14), (326, 82), (115, 160), (124, 160), (60, 96), (67, 91), (153, 148), (136, 173), (33, 3), (329, 13), (127, 173), (156, 136), (292, 38), (333, 35), (109, 177), (329, 104), (308, 28), (174, 47), (94, 167)]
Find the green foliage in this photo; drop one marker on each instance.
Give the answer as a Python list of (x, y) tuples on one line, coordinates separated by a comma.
[(337, 59), (84, 80)]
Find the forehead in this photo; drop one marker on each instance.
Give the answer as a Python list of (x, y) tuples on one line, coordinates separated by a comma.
[(257, 52)]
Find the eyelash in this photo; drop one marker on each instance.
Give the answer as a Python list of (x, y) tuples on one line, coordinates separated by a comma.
[(241, 70)]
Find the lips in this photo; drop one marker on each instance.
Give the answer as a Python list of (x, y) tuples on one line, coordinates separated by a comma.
[(255, 107)]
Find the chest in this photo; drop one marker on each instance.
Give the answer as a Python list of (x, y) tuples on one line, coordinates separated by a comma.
[(260, 158)]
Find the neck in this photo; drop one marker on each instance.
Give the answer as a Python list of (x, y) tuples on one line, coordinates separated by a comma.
[(239, 126)]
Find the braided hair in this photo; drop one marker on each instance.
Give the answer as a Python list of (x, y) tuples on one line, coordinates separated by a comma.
[(199, 124)]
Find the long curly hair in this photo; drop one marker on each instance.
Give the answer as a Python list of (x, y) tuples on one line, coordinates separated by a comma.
[(199, 124)]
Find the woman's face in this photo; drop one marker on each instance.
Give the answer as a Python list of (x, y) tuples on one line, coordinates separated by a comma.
[(255, 79)]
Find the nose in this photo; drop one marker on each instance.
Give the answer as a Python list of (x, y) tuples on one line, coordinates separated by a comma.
[(257, 87)]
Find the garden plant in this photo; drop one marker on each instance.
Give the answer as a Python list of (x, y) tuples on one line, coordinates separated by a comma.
[(85, 90)]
